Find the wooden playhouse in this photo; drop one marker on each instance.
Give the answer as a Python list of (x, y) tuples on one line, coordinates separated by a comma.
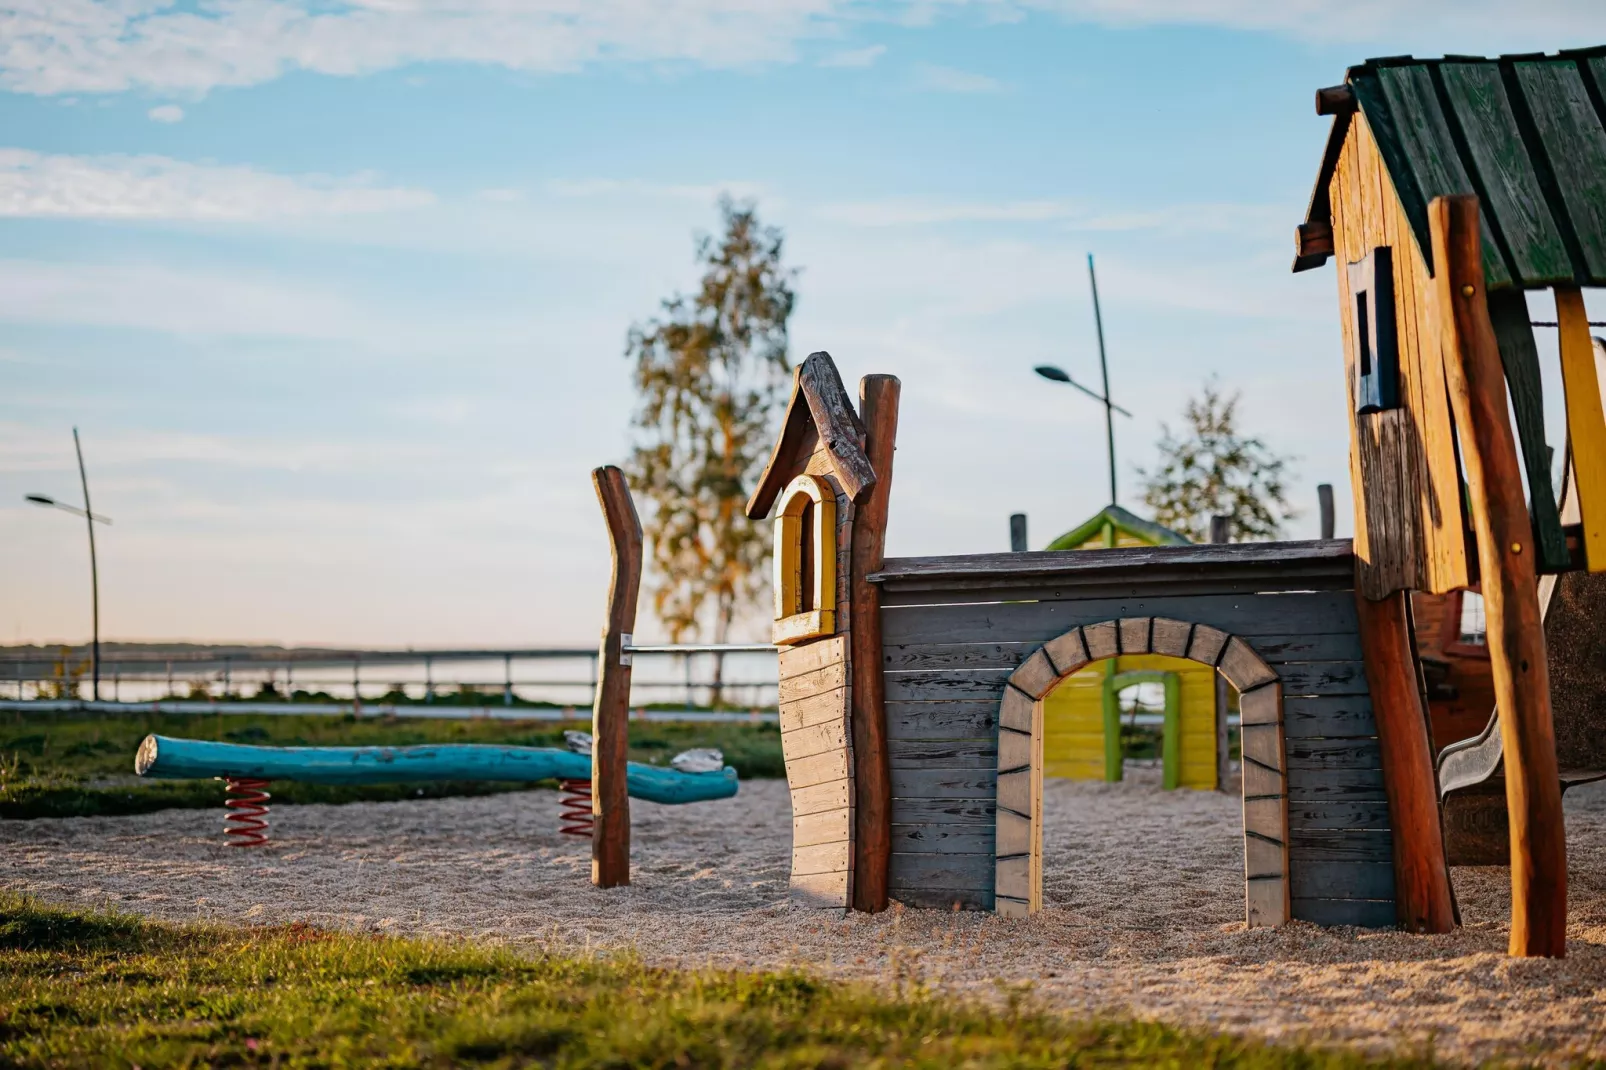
[(912, 723)]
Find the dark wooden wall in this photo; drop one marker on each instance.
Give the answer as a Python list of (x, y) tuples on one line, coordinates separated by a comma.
[(954, 628)]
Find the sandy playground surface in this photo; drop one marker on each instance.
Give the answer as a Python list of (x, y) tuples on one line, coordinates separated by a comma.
[(1144, 910)]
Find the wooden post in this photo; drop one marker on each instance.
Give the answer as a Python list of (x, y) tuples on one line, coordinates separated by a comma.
[(1422, 894), (1473, 374), (1586, 424), (1324, 501), (872, 775), (610, 717)]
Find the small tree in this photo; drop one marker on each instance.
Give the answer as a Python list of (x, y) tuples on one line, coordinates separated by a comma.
[(712, 374), (1210, 469)]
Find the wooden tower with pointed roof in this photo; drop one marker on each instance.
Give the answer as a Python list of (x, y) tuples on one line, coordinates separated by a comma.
[(827, 482)]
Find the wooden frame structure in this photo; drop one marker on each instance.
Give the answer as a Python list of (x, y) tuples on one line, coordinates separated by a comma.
[(1171, 726), (1448, 188)]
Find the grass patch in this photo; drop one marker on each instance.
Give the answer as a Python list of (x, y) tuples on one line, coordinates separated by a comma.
[(81, 764), (84, 989)]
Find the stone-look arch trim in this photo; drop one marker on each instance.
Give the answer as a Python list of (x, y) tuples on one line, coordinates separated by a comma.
[(1018, 887)]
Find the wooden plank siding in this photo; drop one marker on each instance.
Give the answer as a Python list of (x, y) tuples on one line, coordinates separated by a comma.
[(948, 650), (817, 745), (1410, 532)]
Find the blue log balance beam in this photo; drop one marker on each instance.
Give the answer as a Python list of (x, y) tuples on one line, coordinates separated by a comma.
[(176, 759)]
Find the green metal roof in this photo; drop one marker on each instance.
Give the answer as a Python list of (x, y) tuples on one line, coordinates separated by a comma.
[(1525, 133), (1123, 520)]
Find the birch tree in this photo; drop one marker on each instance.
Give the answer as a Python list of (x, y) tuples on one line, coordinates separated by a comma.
[(712, 375)]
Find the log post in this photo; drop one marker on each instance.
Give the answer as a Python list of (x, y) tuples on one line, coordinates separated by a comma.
[(1422, 894), (1506, 560), (610, 716), (872, 776)]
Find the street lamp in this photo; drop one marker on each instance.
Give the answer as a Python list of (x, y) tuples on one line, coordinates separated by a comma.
[(1058, 375), (90, 519)]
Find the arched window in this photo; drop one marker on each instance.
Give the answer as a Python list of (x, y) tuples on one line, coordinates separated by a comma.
[(805, 561)]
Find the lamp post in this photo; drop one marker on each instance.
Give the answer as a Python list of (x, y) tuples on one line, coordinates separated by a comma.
[(1058, 375), (94, 571)]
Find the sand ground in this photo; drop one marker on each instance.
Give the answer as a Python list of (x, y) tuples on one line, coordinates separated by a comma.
[(1144, 910)]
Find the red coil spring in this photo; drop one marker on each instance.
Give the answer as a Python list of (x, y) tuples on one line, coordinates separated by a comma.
[(246, 823), (574, 808)]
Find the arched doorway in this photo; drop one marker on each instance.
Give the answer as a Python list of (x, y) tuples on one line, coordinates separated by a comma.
[(1019, 863)]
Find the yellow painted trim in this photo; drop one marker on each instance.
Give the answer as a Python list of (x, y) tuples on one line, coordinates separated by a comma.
[(792, 622), (1586, 422), (801, 626)]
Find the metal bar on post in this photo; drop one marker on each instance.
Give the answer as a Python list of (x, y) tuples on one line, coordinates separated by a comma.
[(1475, 379), (429, 681), (507, 680), (610, 714)]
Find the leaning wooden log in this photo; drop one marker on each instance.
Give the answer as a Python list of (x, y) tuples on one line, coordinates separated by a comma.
[(1506, 560), (186, 759), (1422, 893), (610, 716)]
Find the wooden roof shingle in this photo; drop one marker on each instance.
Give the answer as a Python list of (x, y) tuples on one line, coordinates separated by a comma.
[(1525, 133)]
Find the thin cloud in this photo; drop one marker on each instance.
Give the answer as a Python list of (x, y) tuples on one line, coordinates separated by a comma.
[(953, 80), (613, 187), (166, 113), (902, 212), (65, 46), (50, 47), (1484, 25), (156, 298), (855, 57), (36, 184)]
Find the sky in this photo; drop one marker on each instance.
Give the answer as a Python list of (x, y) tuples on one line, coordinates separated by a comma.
[(337, 291)]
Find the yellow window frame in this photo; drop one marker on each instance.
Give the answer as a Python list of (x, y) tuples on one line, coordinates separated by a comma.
[(793, 623)]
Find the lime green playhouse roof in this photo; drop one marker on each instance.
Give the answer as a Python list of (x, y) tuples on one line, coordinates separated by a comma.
[(1112, 522)]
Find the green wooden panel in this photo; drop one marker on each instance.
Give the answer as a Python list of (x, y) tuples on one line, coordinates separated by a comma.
[(1508, 310), (1515, 197), (1575, 144), (1429, 150)]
